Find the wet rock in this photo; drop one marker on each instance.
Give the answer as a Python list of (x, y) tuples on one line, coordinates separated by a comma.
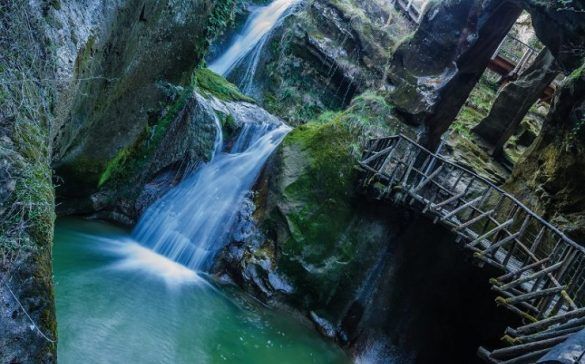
[(515, 100), (569, 352), (325, 54), (325, 327), (125, 58)]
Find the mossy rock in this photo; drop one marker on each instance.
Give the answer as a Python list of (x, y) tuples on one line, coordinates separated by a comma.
[(325, 234), (211, 84)]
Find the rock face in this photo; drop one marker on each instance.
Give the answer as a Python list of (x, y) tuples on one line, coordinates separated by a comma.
[(514, 100), (82, 81), (560, 27), (326, 53), (434, 71), (176, 144), (27, 316), (320, 237), (119, 75), (551, 174), (369, 276)]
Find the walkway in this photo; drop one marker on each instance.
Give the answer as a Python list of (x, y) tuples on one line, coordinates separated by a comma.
[(543, 271)]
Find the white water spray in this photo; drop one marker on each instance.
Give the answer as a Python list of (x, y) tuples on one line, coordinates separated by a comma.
[(248, 45)]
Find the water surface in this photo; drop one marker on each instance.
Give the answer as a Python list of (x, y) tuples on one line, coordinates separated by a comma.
[(118, 302)]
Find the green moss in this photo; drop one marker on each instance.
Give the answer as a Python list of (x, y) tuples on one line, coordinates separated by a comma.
[(131, 161), (326, 240), (324, 190), (211, 84)]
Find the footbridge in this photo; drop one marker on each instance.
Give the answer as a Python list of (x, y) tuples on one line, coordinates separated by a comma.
[(542, 270)]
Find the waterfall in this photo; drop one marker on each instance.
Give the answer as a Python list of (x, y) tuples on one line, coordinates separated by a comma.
[(190, 223), (193, 221), (247, 47)]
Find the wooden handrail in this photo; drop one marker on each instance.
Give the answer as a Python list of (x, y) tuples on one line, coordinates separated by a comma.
[(545, 269), (501, 191)]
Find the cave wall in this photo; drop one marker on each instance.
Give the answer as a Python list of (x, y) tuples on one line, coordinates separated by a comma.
[(550, 175), (429, 302), (83, 79)]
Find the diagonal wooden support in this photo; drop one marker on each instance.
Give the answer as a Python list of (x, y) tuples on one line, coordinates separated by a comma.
[(461, 208), (544, 324), (533, 295), (501, 243), (490, 233), (531, 277), (427, 180), (517, 273), (448, 201), (474, 220)]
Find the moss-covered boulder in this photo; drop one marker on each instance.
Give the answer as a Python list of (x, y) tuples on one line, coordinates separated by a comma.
[(185, 134), (321, 238)]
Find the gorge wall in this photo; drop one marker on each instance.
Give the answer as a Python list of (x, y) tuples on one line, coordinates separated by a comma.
[(81, 82), (128, 112)]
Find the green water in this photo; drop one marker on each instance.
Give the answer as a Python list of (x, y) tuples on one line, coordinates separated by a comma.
[(119, 303)]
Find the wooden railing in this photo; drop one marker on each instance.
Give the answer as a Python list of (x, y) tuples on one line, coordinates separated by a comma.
[(413, 9), (542, 270)]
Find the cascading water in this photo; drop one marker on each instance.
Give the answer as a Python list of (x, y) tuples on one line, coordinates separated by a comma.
[(247, 47), (193, 221)]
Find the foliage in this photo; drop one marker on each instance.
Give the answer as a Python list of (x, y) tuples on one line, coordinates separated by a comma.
[(130, 161), (26, 213), (211, 84)]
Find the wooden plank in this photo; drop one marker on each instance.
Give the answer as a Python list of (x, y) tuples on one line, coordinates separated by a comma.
[(543, 324), (490, 233), (530, 277), (428, 179), (528, 347), (532, 295), (527, 358), (474, 220), (461, 208), (500, 243), (517, 273)]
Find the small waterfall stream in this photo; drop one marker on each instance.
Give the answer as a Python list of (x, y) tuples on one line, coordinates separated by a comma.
[(246, 48), (193, 221)]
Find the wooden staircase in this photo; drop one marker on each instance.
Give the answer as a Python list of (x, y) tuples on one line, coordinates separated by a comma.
[(542, 270)]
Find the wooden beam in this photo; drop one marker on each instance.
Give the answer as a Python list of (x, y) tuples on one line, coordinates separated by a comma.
[(490, 233), (500, 243), (530, 277), (474, 220), (517, 273), (461, 208), (533, 295), (528, 347), (428, 179), (542, 324)]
